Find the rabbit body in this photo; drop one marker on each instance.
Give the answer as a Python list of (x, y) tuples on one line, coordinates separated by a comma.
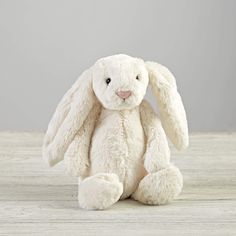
[(117, 146), (115, 142)]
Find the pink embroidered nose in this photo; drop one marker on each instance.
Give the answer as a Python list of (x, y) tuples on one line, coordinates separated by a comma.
[(123, 94)]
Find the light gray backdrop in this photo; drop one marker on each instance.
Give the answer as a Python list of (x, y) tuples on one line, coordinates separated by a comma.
[(46, 44)]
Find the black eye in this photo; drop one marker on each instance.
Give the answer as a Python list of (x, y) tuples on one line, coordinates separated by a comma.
[(137, 77), (108, 80)]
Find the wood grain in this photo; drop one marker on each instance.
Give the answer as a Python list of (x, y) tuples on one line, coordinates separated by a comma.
[(37, 200)]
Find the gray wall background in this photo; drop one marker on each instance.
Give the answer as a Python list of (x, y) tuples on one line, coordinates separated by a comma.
[(46, 44)]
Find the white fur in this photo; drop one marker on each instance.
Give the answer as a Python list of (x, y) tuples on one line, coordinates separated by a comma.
[(99, 191), (160, 187), (172, 111), (77, 155), (118, 147)]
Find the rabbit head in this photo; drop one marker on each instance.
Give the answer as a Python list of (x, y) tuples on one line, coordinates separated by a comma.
[(120, 81), (117, 82)]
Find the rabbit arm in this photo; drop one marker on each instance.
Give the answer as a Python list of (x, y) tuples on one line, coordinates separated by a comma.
[(77, 155), (157, 155)]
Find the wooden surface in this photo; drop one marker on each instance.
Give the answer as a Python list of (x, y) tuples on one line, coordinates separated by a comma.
[(36, 200)]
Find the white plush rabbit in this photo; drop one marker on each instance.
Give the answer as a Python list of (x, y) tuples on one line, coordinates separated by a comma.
[(114, 141)]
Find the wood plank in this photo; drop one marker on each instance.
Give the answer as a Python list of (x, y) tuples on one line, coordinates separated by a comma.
[(69, 193), (118, 229), (123, 211), (126, 217)]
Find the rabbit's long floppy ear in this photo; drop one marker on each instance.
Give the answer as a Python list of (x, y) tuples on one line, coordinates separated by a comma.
[(68, 118), (172, 113)]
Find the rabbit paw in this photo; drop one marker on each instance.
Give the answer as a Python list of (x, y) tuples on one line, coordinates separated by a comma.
[(99, 191), (159, 188)]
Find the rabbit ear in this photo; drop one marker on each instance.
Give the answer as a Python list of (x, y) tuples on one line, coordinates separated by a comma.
[(68, 118), (172, 113)]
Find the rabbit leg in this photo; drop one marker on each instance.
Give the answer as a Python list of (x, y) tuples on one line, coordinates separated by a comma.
[(160, 187), (163, 181), (99, 191)]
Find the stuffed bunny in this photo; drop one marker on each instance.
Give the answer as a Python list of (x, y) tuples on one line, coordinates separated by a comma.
[(114, 141)]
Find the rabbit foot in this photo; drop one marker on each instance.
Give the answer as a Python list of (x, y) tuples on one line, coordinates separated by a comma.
[(160, 187), (99, 191)]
